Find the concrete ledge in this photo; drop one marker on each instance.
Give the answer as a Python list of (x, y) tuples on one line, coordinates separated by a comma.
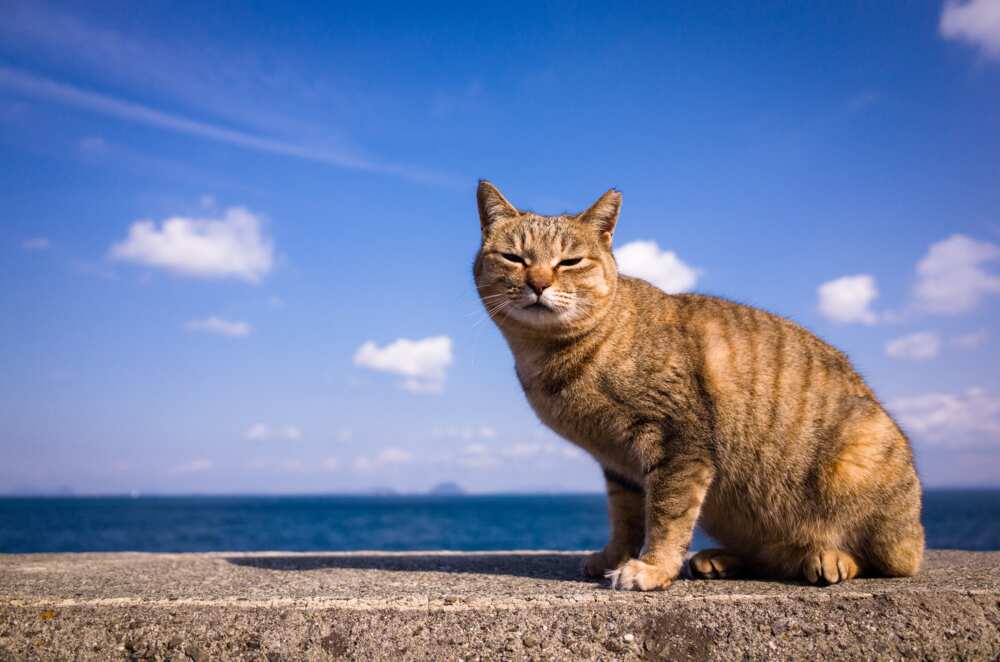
[(450, 606)]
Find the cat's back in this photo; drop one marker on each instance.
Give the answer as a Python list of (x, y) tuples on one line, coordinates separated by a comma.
[(769, 379)]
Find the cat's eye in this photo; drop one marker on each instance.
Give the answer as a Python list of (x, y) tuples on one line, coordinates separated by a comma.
[(511, 257), (570, 262)]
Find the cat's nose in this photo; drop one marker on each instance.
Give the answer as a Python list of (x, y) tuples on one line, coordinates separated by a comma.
[(538, 285), (538, 280), (538, 288)]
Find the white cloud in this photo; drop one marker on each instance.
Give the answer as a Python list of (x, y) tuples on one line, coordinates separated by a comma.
[(976, 22), (645, 259), (194, 466), (469, 432), (233, 246), (849, 299), (422, 363), (386, 457), (35, 244), (220, 327), (914, 347), (330, 464), (971, 340), (950, 419), (265, 432), (951, 278)]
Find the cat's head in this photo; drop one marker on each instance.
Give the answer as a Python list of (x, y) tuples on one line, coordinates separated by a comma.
[(546, 273)]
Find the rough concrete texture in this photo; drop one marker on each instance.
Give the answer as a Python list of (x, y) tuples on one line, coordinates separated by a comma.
[(488, 606)]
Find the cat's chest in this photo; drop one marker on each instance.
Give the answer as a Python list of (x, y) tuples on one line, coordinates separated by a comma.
[(576, 403)]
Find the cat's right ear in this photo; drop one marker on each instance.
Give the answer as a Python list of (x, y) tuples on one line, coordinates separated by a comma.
[(492, 205)]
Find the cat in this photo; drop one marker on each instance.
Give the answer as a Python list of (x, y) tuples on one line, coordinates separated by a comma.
[(698, 409)]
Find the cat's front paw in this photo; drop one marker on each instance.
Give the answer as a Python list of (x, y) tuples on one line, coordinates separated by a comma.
[(599, 563), (637, 575)]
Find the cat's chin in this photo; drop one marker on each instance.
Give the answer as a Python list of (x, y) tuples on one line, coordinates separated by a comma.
[(540, 316)]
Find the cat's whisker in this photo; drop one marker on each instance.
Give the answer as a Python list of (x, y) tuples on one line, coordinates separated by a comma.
[(486, 301), (492, 311)]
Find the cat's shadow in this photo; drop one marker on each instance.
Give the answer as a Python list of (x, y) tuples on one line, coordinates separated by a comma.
[(564, 567), (557, 567)]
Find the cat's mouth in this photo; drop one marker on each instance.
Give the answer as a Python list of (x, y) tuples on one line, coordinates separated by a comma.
[(537, 306)]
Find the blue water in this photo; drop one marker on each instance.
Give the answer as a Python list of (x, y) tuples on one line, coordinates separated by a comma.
[(957, 519)]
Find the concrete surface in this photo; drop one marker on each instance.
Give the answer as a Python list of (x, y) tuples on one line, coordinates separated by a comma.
[(489, 606)]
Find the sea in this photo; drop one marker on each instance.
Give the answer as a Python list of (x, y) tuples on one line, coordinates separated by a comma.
[(954, 519)]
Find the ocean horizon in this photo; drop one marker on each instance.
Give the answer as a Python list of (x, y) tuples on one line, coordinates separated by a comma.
[(953, 518)]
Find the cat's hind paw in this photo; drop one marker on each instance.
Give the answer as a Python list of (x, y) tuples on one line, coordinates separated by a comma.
[(831, 566), (636, 575), (715, 564)]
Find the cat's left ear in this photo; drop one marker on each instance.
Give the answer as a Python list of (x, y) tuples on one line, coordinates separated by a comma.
[(492, 205), (603, 214)]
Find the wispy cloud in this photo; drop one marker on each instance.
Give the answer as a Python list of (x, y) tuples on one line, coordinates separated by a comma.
[(951, 419), (220, 327), (386, 457), (134, 58), (199, 465), (483, 456), (971, 340), (467, 433), (35, 244), (265, 432), (919, 346), (294, 465), (45, 88)]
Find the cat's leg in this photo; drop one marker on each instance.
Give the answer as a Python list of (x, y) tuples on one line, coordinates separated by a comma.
[(894, 541), (675, 489), (715, 564), (625, 510), (870, 474)]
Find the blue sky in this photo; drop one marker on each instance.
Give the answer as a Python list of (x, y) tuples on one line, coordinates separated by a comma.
[(236, 244)]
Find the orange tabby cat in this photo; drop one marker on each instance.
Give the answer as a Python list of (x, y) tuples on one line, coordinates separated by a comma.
[(697, 407)]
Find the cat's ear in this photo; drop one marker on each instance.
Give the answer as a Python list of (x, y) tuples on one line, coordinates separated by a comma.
[(492, 205), (603, 214)]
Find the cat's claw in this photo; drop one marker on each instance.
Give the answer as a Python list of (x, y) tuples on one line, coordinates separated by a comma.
[(636, 575)]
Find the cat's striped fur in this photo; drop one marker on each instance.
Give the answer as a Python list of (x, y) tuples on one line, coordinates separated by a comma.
[(697, 407)]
